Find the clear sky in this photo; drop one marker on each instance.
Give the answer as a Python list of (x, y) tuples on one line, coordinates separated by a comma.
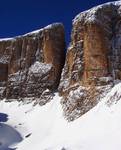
[(20, 16)]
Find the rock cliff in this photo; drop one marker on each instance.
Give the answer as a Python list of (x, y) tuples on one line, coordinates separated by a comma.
[(31, 65), (93, 58)]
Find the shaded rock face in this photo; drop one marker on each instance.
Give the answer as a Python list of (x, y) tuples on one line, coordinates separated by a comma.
[(93, 58), (32, 63)]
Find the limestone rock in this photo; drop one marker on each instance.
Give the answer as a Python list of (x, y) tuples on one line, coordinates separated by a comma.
[(93, 57), (32, 63)]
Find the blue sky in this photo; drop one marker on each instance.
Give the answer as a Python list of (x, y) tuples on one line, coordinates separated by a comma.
[(21, 16)]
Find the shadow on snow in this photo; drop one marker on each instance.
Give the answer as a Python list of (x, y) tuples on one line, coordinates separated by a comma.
[(8, 135), (3, 117)]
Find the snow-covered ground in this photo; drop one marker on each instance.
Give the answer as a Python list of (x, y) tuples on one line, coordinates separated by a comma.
[(44, 128), (8, 136)]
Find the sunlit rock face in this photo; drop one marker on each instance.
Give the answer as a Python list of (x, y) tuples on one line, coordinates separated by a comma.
[(93, 58), (32, 63)]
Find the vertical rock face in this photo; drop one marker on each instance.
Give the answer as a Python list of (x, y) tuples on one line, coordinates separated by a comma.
[(93, 58), (31, 64)]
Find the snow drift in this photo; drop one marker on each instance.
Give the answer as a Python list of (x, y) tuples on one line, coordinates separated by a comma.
[(44, 128)]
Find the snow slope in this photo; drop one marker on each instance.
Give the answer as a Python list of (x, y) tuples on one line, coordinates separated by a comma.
[(46, 129)]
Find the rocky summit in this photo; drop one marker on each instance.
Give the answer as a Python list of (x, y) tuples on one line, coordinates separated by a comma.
[(31, 65), (93, 60)]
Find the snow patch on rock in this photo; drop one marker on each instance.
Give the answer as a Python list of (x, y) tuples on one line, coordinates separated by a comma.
[(39, 67), (90, 15)]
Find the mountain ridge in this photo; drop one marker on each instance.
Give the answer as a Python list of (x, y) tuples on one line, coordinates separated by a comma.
[(80, 95), (91, 66), (33, 32)]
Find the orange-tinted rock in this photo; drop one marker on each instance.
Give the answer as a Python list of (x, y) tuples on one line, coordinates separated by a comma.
[(33, 62), (93, 57), (95, 53)]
